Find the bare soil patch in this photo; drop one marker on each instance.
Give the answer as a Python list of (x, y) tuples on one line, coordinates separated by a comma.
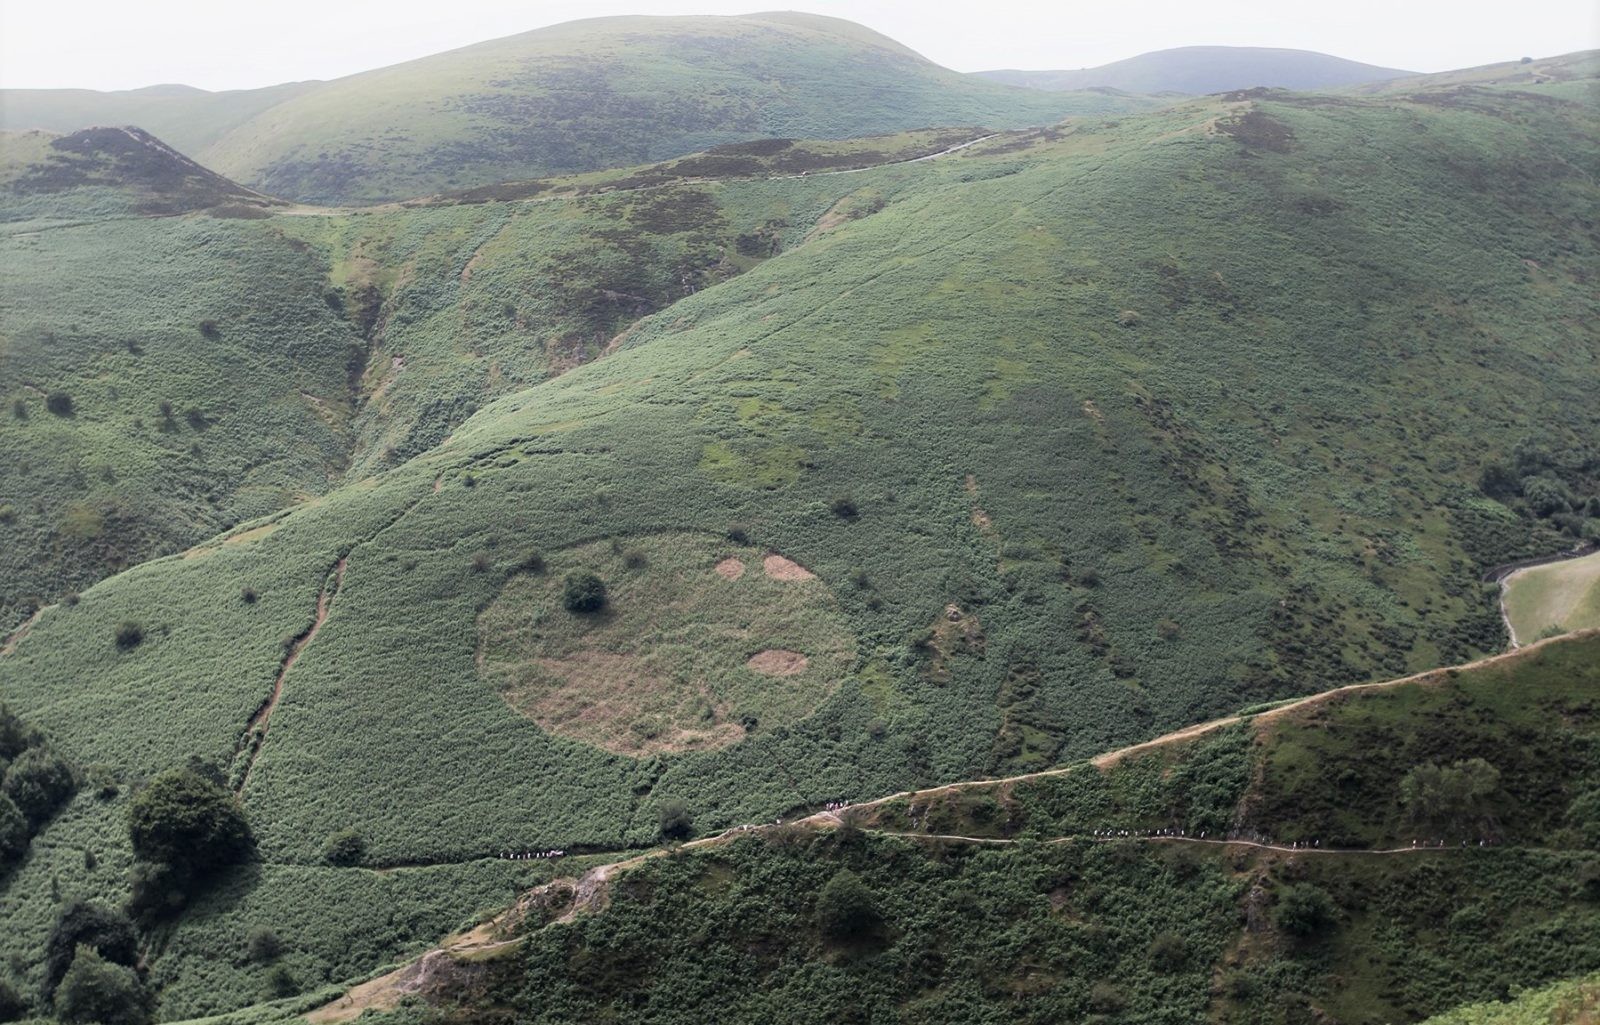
[(779, 568), (778, 662), (666, 665), (588, 695)]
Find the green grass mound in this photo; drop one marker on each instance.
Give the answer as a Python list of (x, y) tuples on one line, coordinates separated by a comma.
[(694, 645)]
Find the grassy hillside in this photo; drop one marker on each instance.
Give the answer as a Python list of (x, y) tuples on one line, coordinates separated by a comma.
[(1080, 434), (1562, 1003), (890, 915), (1207, 69), (400, 324), (163, 377), (187, 118), (605, 93), (1554, 598)]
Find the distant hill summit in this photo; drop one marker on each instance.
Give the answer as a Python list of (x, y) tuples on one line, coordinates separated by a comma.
[(1197, 70), (581, 96), (40, 173)]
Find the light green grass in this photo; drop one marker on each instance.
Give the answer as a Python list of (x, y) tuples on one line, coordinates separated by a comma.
[(1557, 597)]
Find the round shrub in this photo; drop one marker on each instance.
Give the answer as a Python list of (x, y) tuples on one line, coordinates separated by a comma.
[(1304, 910), (263, 945), (59, 403), (845, 907), (187, 821), (96, 990), (345, 849), (675, 821), (38, 782), (583, 593), (129, 635)]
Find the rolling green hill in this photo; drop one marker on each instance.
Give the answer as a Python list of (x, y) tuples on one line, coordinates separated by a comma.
[(575, 97), (1208, 69), (1055, 442), (187, 118)]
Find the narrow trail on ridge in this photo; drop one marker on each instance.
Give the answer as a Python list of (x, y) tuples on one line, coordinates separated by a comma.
[(588, 890), (255, 731)]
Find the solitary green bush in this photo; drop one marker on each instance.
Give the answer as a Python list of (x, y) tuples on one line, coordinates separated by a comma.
[(95, 990), (263, 945), (59, 403), (844, 507), (129, 635), (583, 592), (1304, 910), (845, 907), (345, 848), (38, 782), (281, 982), (186, 820), (675, 821)]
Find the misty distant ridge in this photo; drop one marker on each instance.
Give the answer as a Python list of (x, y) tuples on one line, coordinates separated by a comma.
[(1197, 70)]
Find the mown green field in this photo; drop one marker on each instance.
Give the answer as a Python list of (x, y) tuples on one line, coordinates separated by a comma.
[(1180, 412), (1554, 598)]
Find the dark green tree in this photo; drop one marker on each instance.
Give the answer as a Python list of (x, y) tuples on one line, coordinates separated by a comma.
[(188, 821), (82, 924), (38, 782), (583, 592), (846, 908), (675, 821), (96, 990), (16, 736), (1304, 910)]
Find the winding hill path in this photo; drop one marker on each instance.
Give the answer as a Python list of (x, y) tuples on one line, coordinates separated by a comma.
[(253, 741), (588, 891)]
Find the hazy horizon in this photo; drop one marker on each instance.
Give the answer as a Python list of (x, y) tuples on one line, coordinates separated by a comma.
[(99, 45)]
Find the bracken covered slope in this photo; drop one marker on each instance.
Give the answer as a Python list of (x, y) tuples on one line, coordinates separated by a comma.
[(1053, 443)]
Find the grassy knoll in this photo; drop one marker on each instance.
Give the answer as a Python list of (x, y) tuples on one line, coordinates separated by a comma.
[(1554, 598), (609, 92), (1180, 414)]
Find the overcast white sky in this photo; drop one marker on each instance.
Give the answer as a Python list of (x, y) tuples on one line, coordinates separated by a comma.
[(225, 44)]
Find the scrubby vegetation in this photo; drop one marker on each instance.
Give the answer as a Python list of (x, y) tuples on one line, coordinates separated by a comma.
[(34, 783), (885, 490)]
